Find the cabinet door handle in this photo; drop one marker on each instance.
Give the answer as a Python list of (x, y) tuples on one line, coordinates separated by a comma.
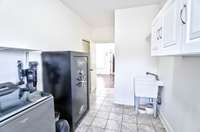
[(157, 35), (181, 14), (160, 34)]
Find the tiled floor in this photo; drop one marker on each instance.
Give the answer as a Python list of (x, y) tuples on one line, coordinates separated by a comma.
[(106, 81), (105, 116)]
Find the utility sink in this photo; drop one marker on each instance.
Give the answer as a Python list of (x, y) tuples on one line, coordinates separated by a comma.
[(147, 87), (160, 84)]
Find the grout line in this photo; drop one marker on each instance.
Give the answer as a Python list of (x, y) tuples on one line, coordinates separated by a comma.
[(106, 123), (122, 121)]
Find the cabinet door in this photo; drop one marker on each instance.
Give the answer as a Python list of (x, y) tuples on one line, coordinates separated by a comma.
[(171, 28), (156, 36), (169, 25), (154, 41), (190, 16)]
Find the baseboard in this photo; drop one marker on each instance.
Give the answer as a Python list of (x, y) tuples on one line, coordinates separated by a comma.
[(165, 123)]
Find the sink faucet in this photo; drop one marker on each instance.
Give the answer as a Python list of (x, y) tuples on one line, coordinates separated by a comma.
[(153, 74)]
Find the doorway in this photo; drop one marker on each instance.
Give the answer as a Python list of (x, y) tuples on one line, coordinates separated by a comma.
[(105, 65), (89, 48)]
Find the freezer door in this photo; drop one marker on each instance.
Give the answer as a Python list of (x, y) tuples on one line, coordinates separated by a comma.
[(79, 76)]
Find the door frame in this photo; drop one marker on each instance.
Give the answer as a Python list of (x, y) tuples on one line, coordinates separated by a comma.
[(92, 64)]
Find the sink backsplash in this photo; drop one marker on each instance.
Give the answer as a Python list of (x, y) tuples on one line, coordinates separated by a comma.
[(8, 65)]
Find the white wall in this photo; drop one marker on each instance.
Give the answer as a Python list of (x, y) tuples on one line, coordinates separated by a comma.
[(103, 34), (180, 107), (132, 27), (42, 24), (8, 68)]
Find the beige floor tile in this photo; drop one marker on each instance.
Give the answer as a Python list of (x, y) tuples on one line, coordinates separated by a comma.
[(87, 120), (117, 110), (92, 113), (129, 127), (82, 128), (159, 129), (157, 122), (113, 125), (108, 103), (95, 106), (99, 122), (95, 129), (129, 111), (145, 128), (118, 106), (105, 108), (107, 130), (129, 119), (144, 119), (102, 114), (115, 116)]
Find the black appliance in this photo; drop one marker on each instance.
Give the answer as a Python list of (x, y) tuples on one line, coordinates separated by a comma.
[(65, 76)]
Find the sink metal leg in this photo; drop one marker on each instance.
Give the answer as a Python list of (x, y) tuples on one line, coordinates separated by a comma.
[(137, 100), (155, 107)]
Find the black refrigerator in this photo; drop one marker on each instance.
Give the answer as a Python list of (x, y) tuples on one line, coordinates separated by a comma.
[(65, 76)]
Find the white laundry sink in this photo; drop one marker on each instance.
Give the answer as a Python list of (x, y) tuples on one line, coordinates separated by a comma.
[(147, 87)]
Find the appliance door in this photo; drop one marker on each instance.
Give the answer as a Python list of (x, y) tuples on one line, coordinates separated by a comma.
[(79, 78), (55, 80), (39, 118)]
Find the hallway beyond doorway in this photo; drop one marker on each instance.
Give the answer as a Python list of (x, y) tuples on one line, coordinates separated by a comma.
[(105, 81), (105, 58)]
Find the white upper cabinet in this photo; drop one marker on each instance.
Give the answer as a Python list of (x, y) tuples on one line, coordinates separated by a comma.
[(180, 28), (171, 29), (156, 38), (190, 16), (168, 28)]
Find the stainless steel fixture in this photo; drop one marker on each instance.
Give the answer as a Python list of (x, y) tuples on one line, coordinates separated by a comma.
[(30, 74)]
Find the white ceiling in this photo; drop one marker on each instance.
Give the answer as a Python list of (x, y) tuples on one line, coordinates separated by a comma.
[(100, 13)]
